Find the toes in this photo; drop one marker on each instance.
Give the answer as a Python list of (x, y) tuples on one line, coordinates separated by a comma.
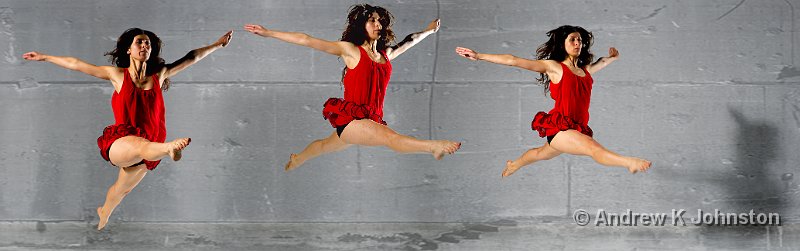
[(289, 165), (508, 172), (454, 147), (510, 169)]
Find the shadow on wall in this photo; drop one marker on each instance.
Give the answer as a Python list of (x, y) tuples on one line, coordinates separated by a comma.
[(751, 186)]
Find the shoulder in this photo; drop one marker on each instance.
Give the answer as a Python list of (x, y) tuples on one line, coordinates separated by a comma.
[(114, 72), (349, 48), (552, 65), (158, 74), (347, 45), (161, 72), (551, 62), (116, 75), (113, 69)]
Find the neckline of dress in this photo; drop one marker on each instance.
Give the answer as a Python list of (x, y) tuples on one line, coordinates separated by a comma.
[(573, 73), (128, 74), (370, 58)]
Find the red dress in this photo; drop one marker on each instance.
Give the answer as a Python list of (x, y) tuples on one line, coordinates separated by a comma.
[(364, 90), (137, 112), (571, 110)]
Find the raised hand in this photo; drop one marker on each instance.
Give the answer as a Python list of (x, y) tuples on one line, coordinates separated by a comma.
[(613, 53), (34, 56), (256, 29), (225, 39), (434, 25), (467, 53)]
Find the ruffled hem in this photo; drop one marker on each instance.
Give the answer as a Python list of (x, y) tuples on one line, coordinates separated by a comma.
[(340, 112), (114, 132), (550, 124)]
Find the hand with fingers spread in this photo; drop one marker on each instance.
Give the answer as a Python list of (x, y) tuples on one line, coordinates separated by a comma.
[(256, 29), (467, 53), (34, 56)]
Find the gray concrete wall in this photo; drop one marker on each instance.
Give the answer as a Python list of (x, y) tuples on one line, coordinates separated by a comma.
[(707, 90)]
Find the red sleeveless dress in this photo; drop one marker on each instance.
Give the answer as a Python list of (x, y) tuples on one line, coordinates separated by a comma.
[(364, 90), (571, 110), (137, 112)]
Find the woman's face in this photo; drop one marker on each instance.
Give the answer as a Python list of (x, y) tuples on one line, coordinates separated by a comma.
[(140, 48), (373, 26), (573, 44)]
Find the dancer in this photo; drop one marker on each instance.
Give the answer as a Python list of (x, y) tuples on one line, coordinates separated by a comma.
[(135, 143), (367, 54), (565, 62)]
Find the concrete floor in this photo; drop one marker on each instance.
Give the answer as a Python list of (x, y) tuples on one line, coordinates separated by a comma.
[(495, 235)]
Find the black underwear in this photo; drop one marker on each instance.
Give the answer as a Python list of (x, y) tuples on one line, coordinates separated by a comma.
[(550, 138), (340, 129)]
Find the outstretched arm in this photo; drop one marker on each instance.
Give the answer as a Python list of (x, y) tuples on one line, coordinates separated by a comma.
[(540, 66), (195, 56), (102, 72), (412, 39), (602, 62), (337, 48)]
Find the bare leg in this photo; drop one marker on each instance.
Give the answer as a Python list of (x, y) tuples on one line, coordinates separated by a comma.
[(367, 132), (129, 150), (128, 179), (319, 147), (574, 142), (544, 152)]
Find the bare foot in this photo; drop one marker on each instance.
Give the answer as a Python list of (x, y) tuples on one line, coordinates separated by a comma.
[(638, 165), (510, 168), (103, 218), (442, 147), (293, 163), (176, 147)]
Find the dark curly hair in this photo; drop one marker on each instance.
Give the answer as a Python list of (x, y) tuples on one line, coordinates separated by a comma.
[(554, 49), (356, 33), (119, 56)]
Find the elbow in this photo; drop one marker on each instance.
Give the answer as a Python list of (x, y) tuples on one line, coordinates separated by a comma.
[(72, 63), (193, 55), (510, 60), (303, 39), (412, 37)]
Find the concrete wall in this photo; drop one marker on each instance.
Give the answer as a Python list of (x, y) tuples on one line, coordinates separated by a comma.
[(707, 90)]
